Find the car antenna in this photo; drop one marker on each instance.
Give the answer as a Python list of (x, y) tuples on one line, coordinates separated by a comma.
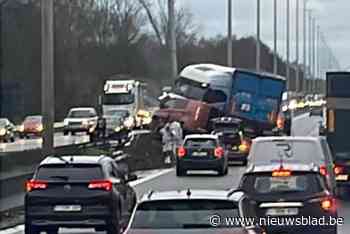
[(61, 158), (150, 194), (71, 159), (188, 193)]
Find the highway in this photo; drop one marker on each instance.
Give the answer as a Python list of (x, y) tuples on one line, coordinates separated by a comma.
[(34, 143), (207, 180)]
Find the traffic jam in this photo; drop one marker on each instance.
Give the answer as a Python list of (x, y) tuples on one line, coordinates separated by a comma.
[(213, 118)]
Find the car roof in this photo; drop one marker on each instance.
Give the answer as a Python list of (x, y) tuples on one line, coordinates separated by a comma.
[(195, 194), (74, 159), (82, 109), (298, 167), (201, 136), (287, 138)]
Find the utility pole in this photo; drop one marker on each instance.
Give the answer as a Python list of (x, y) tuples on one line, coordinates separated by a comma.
[(288, 44), (297, 81), (310, 51), (173, 54), (314, 51), (304, 78), (275, 66), (229, 34), (2, 3), (257, 60), (318, 53), (47, 75)]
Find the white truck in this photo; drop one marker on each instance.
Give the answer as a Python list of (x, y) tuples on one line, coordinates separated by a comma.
[(124, 95)]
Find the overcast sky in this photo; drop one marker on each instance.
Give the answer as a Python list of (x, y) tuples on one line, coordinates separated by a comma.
[(332, 16)]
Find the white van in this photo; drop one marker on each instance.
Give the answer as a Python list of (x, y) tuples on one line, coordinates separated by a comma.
[(299, 150)]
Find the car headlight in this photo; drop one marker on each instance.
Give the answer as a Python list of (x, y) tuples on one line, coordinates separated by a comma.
[(91, 122), (65, 122), (21, 128), (2, 132), (40, 128), (129, 122), (117, 129)]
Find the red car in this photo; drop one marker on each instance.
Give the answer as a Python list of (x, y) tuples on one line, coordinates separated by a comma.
[(31, 126)]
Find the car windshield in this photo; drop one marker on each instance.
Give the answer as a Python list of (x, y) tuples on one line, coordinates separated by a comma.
[(117, 113), (200, 143), (342, 155), (81, 114), (33, 119), (118, 99), (3, 122), (76, 172), (179, 214), (309, 183)]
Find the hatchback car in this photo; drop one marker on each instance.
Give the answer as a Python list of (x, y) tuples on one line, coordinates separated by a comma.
[(290, 191), (190, 211), (31, 126), (7, 130), (78, 192), (80, 120), (301, 150), (201, 152)]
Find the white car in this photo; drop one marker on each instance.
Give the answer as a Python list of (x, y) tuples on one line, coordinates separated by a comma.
[(83, 119), (298, 150)]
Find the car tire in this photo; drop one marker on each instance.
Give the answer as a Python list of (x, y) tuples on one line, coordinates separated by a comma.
[(30, 229), (180, 171), (27, 137), (244, 162), (226, 171), (73, 133), (222, 170), (113, 228), (12, 139), (65, 133)]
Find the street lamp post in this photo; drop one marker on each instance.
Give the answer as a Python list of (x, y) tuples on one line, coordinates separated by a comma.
[(275, 67), (297, 81), (229, 34), (288, 38), (304, 78), (257, 60)]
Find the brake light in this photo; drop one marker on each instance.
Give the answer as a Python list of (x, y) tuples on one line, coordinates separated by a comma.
[(338, 169), (280, 122), (281, 173), (244, 146), (35, 185), (101, 184), (328, 204), (323, 170), (181, 152), (219, 152)]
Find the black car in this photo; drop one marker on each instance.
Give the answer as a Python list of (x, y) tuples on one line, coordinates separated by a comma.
[(201, 152), (78, 192), (191, 211), (342, 170), (290, 191), (7, 130), (230, 131), (115, 128)]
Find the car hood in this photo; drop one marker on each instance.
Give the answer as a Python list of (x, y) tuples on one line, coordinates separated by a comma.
[(188, 231), (80, 119)]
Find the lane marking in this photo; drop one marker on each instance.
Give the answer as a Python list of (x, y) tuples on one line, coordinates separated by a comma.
[(150, 177)]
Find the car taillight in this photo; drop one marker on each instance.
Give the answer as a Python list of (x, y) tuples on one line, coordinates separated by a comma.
[(280, 122), (323, 170), (219, 152), (35, 185), (181, 152), (281, 173), (327, 204), (101, 184), (244, 146), (338, 169)]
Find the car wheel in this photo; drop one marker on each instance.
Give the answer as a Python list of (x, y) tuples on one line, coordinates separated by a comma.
[(12, 139), (180, 171), (65, 133), (244, 162), (226, 171), (27, 136), (73, 133), (221, 171), (113, 228), (30, 229), (5, 140)]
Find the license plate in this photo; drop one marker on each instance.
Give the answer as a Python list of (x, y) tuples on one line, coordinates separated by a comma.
[(342, 177), (67, 208), (282, 211), (200, 154), (235, 148)]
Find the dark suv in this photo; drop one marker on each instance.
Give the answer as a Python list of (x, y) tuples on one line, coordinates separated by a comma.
[(78, 192)]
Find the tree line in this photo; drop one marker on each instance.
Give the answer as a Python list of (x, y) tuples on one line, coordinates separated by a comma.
[(96, 39)]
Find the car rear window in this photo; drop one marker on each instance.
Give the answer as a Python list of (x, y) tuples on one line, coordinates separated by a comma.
[(202, 143), (179, 214), (292, 152), (80, 172), (296, 183)]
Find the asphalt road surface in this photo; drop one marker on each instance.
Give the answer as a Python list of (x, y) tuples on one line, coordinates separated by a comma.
[(36, 142), (206, 180)]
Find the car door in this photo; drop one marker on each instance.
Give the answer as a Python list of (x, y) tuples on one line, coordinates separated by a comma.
[(329, 162), (121, 188)]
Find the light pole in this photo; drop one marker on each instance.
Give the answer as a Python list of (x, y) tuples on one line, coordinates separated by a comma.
[(229, 34), (275, 68), (288, 44), (47, 75), (310, 51), (304, 47), (257, 60), (297, 81), (173, 58), (314, 51)]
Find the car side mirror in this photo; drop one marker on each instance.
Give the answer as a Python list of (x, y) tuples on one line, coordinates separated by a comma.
[(131, 177)]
